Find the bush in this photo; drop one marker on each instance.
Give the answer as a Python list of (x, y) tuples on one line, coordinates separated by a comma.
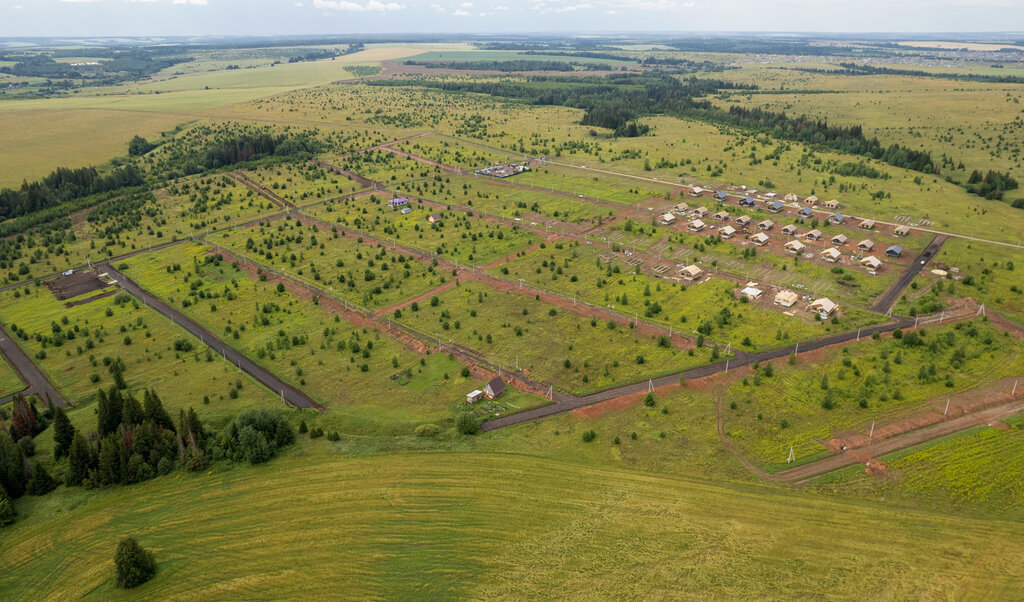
[(427, 430), (649, 400), (589, 436), (466, 424), (134, 565)]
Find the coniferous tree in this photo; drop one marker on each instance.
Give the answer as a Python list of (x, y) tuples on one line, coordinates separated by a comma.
[(79, 461), (12, 467), (134, 565), (41, 482), (155, 412), (109, 469), (63, 433), (131, 411), (24, 418)]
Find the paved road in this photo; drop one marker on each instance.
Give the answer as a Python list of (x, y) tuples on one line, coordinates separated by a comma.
[(38, 384), (884, 303), (567, 403), (289, 393)]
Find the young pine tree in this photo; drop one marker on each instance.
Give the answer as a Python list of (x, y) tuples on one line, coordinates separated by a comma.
[(63, 433)]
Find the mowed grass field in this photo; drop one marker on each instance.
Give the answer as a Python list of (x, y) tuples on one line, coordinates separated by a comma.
[(477, 525)]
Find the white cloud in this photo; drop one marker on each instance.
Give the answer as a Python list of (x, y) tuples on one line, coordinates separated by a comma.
[(191, 2), (461, 13), (369, 6), (501, 7), (467, 5), (437, 8)]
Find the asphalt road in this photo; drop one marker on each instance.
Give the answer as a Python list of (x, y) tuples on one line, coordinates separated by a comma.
[(568, 403), (288, 393), (884, 303), (38, 384)]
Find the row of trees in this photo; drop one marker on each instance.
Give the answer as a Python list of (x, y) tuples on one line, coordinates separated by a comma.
[(64, 185)]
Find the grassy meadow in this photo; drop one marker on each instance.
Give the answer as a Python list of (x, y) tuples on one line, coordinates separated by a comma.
[(10, 382)]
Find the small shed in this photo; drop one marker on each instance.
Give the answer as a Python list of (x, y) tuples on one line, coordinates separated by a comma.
[(691, 272), (836, 218), (398, 202), (667, 219), (721, 216), (902, 231), (474, 396), (727, 232), (494, 388), (795, 246), (866, 246), (760, 239), (697, 225), (434, 218), (770, 195), (747, 201), (789, 230), (743, 220), (681, 207), (766, 225), (868, 224), (824, 306), (805, 212), (871, 263), (813, 235), (894, 251), (832, 204), (696, 191), (831, 254), (406, 210), (721, 196), (786, 298), (775, 206), (701, 211), (811, 200), (751, 293), (840, 240)]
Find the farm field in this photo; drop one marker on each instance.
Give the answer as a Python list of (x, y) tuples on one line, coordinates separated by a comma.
[(486, 525), (972, 472), (303, 184), (356, 271), (468, 239), (553, 344), (369, 382), (886, 380)]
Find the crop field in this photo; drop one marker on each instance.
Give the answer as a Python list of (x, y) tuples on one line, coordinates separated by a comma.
[(552, 344), (494, 525), (470, 240), (973, 471), (303, 184), (709, 307), (82, 348), (9, 381), (364, 274), (370, 383), (883, 380)]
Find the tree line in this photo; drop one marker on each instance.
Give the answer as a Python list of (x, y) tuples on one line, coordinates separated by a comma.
[(63, 185), (854, 69)]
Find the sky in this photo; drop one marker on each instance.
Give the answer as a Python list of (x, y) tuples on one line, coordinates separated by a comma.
[(82, 18)]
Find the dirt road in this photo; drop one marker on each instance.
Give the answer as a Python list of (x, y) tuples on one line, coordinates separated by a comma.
[(38, 384)]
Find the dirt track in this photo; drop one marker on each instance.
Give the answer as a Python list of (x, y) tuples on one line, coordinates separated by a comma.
[(38, 384)]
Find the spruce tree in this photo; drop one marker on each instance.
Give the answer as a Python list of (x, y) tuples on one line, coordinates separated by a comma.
[(155, 411), (12, 467), (63, 433), (41, 482), (109, 470), (79, 461), (131, 411), (134, 564), (6, 509)]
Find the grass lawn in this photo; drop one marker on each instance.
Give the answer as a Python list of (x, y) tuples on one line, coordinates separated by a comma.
[(477, 525), (370, 383), (882, 381), (504, 324)]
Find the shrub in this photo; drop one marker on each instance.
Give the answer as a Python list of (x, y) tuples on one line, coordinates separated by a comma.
[(466, 424), (427, 430), (134, 564), (649, 400), (589, 436)]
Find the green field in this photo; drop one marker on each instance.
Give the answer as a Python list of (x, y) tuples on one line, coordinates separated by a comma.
[(370, 383), (552, 344), (495, 525), (9, 380), (869, 381)]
